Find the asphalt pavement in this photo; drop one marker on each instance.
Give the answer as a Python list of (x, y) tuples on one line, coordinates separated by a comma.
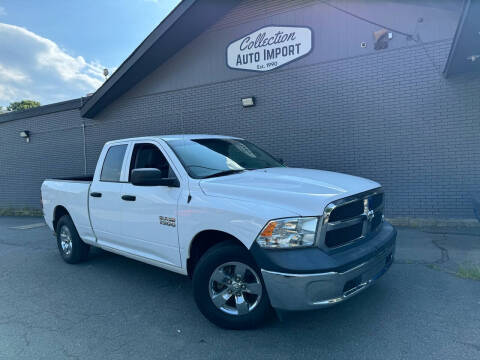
[(115, 308)]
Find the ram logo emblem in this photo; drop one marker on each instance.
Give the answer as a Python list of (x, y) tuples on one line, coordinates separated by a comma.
[(370, 215)]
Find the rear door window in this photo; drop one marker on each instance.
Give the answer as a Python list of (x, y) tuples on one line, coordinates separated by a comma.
[(112, 166)]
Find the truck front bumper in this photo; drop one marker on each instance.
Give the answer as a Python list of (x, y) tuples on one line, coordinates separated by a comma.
[(304, 291)]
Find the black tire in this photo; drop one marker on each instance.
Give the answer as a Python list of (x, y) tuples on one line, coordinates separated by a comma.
[(214, 258), (78, 251)]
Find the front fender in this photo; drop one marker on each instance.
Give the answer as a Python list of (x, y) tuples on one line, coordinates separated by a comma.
[(241, 219)]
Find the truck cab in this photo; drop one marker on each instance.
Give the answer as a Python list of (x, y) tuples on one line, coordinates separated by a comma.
[(126, 217)]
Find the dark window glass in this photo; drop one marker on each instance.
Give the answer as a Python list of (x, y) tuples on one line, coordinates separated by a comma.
[(204, 158), (148, 156), (112, 166)]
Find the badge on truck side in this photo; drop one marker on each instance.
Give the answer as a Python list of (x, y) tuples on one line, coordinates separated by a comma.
[(168, 221)]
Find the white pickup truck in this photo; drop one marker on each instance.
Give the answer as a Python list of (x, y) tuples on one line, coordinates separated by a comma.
[(252, 233)]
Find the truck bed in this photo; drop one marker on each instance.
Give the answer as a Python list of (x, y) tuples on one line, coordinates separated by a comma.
[(71, 194), (88, 178)]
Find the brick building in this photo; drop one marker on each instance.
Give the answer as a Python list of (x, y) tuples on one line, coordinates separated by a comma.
[(387, 90)]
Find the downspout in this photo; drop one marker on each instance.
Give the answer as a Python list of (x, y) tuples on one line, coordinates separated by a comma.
[(84, 150)]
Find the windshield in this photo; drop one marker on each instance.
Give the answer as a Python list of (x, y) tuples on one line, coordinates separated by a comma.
[(203, 158)]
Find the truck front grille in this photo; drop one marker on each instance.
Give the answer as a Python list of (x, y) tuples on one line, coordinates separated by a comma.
[(352, 218), (347, 211), (337, 237)]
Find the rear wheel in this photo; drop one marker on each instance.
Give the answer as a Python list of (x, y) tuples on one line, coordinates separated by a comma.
[(229, 289), (72, 249)]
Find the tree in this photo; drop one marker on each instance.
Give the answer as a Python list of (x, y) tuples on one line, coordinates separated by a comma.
[(22, 105)]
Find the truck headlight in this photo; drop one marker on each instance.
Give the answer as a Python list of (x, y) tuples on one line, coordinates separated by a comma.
[(288, 233)]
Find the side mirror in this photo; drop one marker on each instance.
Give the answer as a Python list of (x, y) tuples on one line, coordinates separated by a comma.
[(151, 177)]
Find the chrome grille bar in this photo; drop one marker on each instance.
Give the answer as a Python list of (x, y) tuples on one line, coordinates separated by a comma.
[(366, 218), (341, 224)]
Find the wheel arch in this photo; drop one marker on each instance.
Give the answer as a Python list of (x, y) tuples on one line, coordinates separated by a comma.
[(58, 212), (203, 241)]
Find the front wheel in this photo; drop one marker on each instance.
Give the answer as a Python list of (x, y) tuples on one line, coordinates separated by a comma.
[(228, 288)]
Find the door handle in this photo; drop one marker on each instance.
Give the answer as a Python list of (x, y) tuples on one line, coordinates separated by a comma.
[(96, 194), (129, 197)]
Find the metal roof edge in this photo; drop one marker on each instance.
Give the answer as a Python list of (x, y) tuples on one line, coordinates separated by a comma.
[(88, 108), (42, 110), (146, 57), (458, 31)]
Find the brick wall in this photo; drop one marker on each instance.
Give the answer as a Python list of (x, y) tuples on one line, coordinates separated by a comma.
[(55, 149), (388, 115)]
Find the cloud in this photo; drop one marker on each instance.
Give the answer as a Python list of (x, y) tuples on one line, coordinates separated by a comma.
[(36, 68)]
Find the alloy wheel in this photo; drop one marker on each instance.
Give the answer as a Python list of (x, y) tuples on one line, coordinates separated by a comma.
[(235, 288)]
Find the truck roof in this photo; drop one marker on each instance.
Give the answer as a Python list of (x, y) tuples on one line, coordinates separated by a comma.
[(176, 137)]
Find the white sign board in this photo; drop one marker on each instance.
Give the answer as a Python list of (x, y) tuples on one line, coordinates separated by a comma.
[(269, 47)]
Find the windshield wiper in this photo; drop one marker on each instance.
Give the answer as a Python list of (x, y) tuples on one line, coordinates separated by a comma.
[(223, 173)]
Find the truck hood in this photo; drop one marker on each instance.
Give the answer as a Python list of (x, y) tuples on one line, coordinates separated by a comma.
[(304, 192)]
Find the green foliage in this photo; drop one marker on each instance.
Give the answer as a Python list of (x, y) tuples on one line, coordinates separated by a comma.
[(12, 211), (22, 105), (469, 271)]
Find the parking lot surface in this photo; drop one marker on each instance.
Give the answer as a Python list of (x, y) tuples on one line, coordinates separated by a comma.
[(111, 307)]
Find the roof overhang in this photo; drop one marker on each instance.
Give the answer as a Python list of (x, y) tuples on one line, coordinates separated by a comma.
[(465, 51), (43, 110), (188, 20)]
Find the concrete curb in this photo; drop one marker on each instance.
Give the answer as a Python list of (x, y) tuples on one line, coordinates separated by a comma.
[(434, 223), (20, 212)]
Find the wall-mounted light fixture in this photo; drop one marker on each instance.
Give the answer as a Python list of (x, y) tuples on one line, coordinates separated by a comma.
[(26, 135), (473, 58), (248, 102)]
